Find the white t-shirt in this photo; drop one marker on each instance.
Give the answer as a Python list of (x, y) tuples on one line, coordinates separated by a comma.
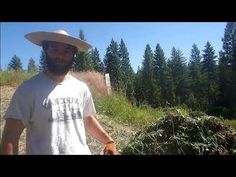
[(53, 114)]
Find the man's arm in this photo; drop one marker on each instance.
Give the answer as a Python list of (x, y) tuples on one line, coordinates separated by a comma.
[(11, 135), (94, 128)]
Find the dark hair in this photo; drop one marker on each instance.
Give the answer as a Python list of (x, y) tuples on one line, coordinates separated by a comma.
[(45, 45)]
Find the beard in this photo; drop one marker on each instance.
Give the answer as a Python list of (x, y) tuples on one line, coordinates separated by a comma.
[(58, 69)]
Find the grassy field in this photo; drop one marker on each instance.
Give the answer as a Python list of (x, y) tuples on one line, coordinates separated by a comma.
[(14, 78), (231, 123), (123, 112)]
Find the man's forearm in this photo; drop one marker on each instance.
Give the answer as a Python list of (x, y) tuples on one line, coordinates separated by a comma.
[(94, 128), (7, 149), (11, 135), (9, 144), (10, 141)]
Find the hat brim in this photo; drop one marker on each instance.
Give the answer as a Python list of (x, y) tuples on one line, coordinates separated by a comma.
[(38, 37)]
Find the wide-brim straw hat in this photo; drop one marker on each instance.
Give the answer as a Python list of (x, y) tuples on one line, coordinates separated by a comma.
[(58, 36)]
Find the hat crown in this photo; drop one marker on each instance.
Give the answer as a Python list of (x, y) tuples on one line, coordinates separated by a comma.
[(61, 32)]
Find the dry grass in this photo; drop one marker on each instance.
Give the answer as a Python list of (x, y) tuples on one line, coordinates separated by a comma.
[(94, 80), (14, 78)]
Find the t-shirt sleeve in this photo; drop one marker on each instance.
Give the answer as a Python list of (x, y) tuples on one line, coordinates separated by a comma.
[(89, 108), (20, 106)]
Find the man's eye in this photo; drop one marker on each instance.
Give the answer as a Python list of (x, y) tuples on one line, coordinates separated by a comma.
[(68, 51)]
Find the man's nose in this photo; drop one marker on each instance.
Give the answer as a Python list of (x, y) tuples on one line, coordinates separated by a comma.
[(60, 55)]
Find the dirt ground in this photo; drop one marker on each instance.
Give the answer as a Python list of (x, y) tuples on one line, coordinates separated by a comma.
[(121, 134)]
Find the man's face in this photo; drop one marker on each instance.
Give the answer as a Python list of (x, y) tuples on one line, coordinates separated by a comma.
[(59, 57)]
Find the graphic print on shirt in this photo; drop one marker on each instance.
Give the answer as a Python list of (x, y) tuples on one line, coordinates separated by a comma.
[(64, 109)]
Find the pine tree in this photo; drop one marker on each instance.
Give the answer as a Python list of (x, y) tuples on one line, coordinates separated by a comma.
[(232, 101), (169, 96), (32, 66), (225, 59), (82, 61), (112, 65), (180, 76), (210, 73), (196, 82), (81, 35), (162, 77), (138, 88), (224, 79), (42, 61), (151, 93), (127, 73), (15, 64), (234, 49), (96, 61)]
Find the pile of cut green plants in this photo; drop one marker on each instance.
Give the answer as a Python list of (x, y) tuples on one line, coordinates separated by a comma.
[(175, 134)]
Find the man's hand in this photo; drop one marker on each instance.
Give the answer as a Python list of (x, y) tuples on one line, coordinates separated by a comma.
[(110, 148), (8, 149), (94, 128), (11, 135)]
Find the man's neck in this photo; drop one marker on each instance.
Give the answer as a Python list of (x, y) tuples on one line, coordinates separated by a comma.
[(57, 78)]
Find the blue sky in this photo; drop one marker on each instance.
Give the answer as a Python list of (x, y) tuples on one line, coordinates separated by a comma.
[(136, 36)]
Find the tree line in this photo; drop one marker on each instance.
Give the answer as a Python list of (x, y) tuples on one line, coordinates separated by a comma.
[(206, 82)]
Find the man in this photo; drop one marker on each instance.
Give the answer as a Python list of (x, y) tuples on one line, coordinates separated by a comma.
[(54, 107)]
